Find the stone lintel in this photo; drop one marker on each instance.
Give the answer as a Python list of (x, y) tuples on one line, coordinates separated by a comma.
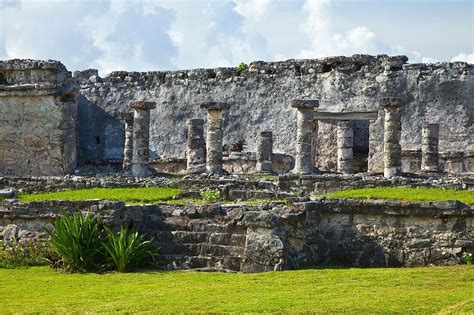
[(195, 121), (345, 116), (390, 102), (36, 89), (300, 103), (142, 105), (214, 105), (127, 116)]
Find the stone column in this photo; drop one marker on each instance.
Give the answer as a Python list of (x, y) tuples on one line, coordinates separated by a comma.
[(264, 152), (345, 144), (141, 137), (196, 153), (304, 163), (392, 150), (128, 147), (215, 134), (429, 148)]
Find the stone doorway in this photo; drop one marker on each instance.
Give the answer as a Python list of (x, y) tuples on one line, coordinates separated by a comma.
[(361, 145)]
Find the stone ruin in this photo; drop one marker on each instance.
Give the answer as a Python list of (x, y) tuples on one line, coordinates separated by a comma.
[(321, 125)]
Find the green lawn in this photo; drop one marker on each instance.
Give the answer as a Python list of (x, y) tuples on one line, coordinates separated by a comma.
[(127, 195), (412, 290), (408, 194)]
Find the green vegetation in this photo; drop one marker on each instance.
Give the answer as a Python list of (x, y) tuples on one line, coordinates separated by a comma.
[(27, 252), (77, 238), (127, 195), (84, 244), (406, 194), (241, 67), (468, 258), (211, 195), (383, 291), (127, 249)]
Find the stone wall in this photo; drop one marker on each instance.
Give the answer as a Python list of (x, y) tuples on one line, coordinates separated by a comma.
[(276, 236), (37, 119), (260, 97)]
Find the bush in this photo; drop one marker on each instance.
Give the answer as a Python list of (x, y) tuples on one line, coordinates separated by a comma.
[(241, 67), (127, 249), (77, 239), (27, 252), (84, 244), (468, 258), (238, 146), (211, 195)]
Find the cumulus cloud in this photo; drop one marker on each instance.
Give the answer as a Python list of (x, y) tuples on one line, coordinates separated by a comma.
[(168, 34), (469, 58), (251, 8), (108, 35), (324, 41)]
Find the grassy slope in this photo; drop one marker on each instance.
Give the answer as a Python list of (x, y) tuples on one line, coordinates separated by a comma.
[(414, 290), (409, 194), (127, 195)]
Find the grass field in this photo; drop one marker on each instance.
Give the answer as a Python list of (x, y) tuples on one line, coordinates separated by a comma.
[(127, 195), (413, 290), (408, 194)]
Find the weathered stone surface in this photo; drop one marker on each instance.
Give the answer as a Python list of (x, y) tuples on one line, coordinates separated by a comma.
[(141, 137), (128, 146), (275, 237), (261, 100), (37, 119), (391, 137), (264, 152), (429, 148), (304, 159), (196, 152), (214, 137), (345, 143)]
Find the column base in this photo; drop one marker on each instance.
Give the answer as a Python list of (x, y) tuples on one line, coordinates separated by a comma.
[(391, 172)]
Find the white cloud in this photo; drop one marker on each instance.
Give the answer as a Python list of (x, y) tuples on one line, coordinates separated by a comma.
[(139, 35), (108, 35), (251, 8), (469, 58), (358, 40)]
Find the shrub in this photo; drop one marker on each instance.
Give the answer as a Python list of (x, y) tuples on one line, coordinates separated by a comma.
[(238, 146), (77, 239), (211, 195), (468, 258), (126, 249), (241, 67), (27, 252)]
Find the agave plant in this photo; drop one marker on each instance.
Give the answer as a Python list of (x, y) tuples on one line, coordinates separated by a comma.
[(127, 249), (77, 239)]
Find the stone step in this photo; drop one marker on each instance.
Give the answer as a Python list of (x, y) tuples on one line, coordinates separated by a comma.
[(229, 263), (202, 249), (226, 239)]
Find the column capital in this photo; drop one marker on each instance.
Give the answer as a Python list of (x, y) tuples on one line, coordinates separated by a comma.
[(195, 121), (390, 102), (142, 105), (127, 116), (308, 104), (266, 134), (214, 105)]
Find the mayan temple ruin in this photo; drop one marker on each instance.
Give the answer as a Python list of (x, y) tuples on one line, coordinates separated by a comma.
[(283, 132)]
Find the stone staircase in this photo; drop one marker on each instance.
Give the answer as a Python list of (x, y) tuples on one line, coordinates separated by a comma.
[(203, 244)]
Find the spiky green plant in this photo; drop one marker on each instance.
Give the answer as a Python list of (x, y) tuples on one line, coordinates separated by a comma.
[(77, 239), (127, 249)]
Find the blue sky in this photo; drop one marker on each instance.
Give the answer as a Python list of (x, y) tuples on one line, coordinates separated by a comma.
[(140, 35)]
